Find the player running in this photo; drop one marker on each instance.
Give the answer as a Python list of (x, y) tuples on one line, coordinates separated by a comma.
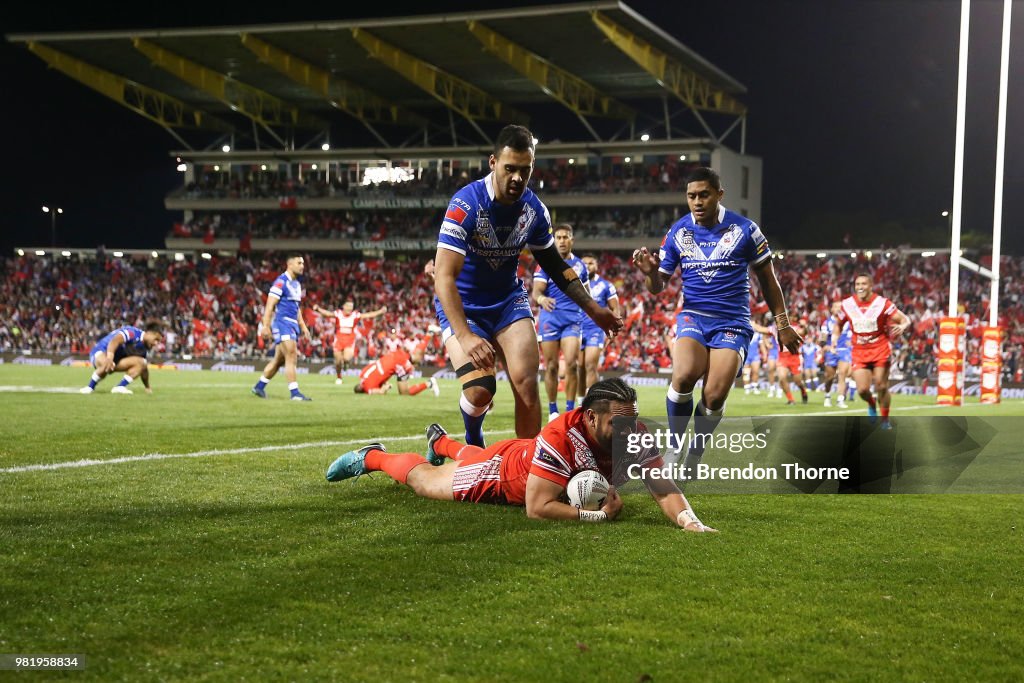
[(532, 473), (789, 370), (124, 350), (713, 248), (593, 337), (874, 320), (559, 323), (345, 320), (837, 358), (809, 352), (482, 306), (284, 308)]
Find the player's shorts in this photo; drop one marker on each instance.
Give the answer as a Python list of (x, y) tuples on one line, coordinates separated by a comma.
[(868, 359), (477, 479), (845, 354), (790, 362), (556, 325), (344, 341), (593, 337), (831, 359), (773, 353), (715, 333), (753, 352), (811, 364), (487, 321), (118, 354), (284, 330)]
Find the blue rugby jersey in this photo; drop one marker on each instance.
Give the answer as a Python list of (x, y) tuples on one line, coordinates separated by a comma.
[(602, 290), (491, 236), (563, 304), (289, 293), (132, 340), (845, 337), (713, 263)]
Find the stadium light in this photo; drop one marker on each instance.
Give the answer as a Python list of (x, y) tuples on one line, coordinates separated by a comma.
[(178, 256), (53, 222), (682, 157), (822, 254), (572, 161), (155, 254), (40, 252), (868, 254), (182, 168), (313, 167), (926, 254), (21, 252), (263, 167), (65, 253), (118, 254), (945, 213), (888, 254), (216, 168), (325, 147), (206, 255), (628, 159), (226, 148), (645, 137), (853, 254)]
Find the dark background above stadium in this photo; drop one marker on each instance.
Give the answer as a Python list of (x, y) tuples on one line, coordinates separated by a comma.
[(852, 107)]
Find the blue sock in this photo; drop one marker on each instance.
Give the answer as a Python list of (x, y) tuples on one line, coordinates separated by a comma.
[(569, 405), (473, 419), (553, 407), (294, 388), (705, 422), (680, 409), (261, 383), (125, 381), (94, 380)]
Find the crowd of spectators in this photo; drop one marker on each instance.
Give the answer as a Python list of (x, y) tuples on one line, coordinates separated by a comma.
[(551, 176), (212, 308), (604, 222)]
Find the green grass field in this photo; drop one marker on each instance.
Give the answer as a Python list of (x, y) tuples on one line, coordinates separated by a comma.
[(241, 563)]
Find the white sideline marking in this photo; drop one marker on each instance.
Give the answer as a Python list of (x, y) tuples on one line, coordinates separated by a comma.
[(25, 388), (211, 453)]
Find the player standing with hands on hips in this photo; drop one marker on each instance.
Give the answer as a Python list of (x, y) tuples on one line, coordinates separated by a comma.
[(713, 249)]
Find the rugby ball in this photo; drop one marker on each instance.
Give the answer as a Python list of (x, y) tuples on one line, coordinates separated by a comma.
[(587, 490)]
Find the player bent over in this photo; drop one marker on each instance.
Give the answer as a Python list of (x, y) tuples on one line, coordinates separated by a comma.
[(124, 350), (873, 319), (398, 363), (532, 473)]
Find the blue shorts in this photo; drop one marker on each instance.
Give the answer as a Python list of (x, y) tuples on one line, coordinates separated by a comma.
[(556, 325), (118, 354), (284, 330), (773, 353), (810, 364), (841, 355), (715, 333), (753, 353), (487, 321), (593, 337)]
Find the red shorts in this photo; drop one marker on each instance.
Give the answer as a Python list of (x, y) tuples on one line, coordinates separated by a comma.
[(477, 479), (344, 341), (791, 362), (870, 358)]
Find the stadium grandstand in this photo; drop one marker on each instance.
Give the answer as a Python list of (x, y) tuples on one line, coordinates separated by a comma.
[(345, 140)]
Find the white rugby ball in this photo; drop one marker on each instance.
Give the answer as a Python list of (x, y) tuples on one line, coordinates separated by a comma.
[(587, 490)]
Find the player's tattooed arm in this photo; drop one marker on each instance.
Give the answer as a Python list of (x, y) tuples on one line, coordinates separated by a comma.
[(788, 337)]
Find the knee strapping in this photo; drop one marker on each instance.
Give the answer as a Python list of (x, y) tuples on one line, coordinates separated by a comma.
[(471, 377)]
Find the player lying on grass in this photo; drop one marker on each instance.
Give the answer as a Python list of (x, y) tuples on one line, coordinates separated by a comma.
[(124, 350), (532, 473), (399, 364)]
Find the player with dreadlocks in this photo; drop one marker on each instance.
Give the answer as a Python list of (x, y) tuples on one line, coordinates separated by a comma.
[(533, 473)]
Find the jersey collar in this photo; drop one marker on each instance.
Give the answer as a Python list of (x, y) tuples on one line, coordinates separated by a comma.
[(489, 183)]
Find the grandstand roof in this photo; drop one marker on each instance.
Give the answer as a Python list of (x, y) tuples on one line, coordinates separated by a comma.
[(601, 60)]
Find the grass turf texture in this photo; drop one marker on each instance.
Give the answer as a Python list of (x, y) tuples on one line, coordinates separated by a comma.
[(250, 566)]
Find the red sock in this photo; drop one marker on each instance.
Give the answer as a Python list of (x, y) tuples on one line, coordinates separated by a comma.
[(395, 465), (789, 395), (413, 390), (450, 448), (338, 373), (885, 412), (871, 401)]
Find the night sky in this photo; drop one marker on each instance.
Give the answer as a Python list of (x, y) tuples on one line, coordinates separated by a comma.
[(852, 107)]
